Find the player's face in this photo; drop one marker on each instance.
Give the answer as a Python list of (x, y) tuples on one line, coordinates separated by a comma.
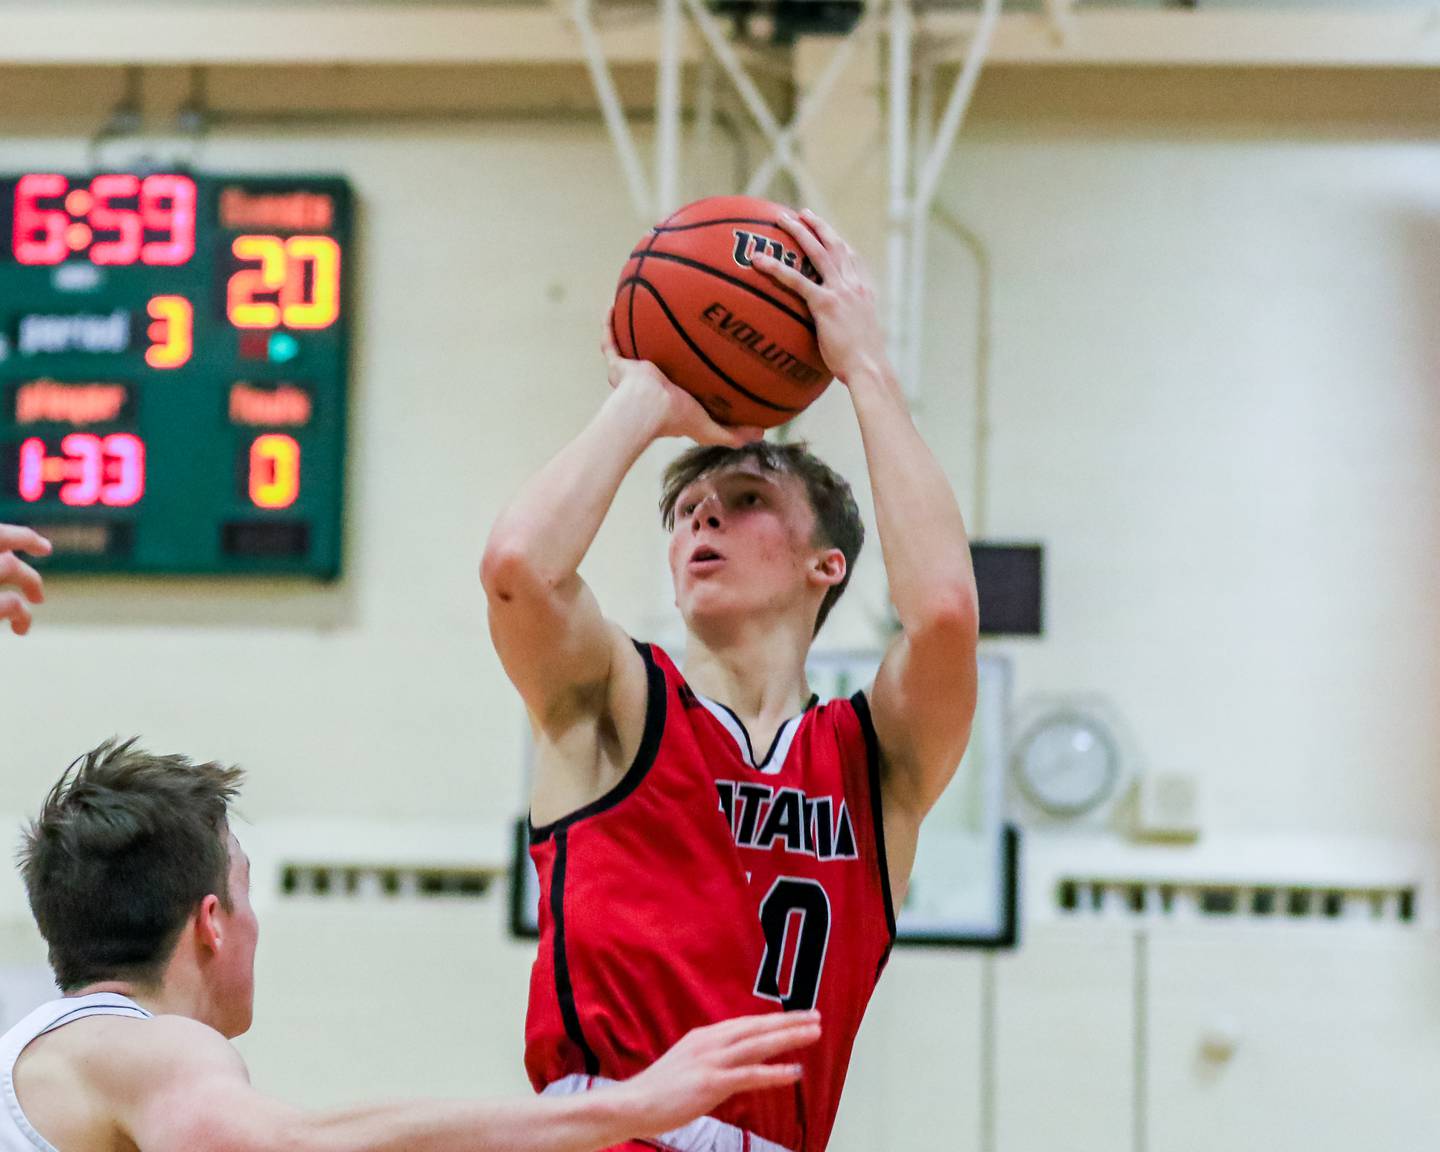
[(742, 543), (235, 971)]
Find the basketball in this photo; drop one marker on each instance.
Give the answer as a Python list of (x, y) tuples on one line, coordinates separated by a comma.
[(690, 302)]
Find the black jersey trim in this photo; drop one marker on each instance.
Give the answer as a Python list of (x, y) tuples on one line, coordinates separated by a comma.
[(761, 765), (877, 804), (639, 767), (564, 990)]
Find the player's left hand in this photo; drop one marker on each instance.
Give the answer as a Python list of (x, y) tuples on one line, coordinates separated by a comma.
[(710, 1064), (847, 320), (20, 584)]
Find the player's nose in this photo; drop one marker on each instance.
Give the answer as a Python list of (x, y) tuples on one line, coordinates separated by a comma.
[(706, 512)]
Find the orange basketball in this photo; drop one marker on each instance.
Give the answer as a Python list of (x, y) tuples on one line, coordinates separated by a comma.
[(690, 302)]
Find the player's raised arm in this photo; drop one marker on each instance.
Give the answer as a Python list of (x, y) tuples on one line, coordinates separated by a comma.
[(557, 647), (20, 584), (923, 700), (183, 1087)]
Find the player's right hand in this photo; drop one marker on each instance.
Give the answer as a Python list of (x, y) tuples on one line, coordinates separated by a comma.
[(711, 1064), (683, 415), (20, 584)]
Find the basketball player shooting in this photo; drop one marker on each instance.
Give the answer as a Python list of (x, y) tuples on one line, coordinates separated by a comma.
[(712, 841), (20, 584), (142, 894)]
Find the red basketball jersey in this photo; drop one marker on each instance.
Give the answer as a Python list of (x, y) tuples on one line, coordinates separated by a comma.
[(709, 884)]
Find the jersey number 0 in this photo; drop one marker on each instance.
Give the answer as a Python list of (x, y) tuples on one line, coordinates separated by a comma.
[(795, 917)]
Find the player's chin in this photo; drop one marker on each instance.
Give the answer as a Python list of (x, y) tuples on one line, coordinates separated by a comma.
[(708, 604)]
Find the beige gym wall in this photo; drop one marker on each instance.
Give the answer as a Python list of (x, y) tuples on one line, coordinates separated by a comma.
[(1213, 398)]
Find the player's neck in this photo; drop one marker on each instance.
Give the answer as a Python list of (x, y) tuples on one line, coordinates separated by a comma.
[(754, 672), (172, 997)]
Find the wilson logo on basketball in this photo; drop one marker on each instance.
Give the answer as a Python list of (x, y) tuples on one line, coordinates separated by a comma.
[(750, 338), (748, 243)]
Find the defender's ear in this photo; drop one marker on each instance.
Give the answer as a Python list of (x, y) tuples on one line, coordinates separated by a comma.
[(208, 930)]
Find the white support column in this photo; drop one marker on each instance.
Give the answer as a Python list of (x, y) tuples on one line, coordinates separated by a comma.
[(899, 213), (916, 163), (667, 110), (912, 366), (703, 131), (958, 105), (612, 110)]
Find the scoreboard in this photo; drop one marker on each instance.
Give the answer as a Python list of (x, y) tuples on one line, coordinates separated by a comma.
[(173, 360)]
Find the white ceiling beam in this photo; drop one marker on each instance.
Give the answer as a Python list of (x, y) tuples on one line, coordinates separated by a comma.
[(1383, 38), (175, 32)]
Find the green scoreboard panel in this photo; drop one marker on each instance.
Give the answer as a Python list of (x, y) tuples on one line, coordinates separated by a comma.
[(173, 355)]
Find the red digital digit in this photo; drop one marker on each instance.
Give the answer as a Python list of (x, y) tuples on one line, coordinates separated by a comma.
[(274, 471), (126, 221), (242, 305), (172, 334), (32, 469), (84, 455), (322, 307), (167, 204), (40, 232), (125, 482)]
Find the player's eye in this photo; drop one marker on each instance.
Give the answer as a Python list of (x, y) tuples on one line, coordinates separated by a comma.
[(686, 509)]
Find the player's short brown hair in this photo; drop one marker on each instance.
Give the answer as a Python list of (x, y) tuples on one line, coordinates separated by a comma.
[(837, 517), (125, 848)]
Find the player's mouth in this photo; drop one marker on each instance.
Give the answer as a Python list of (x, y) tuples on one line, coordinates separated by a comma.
[(705, 559)]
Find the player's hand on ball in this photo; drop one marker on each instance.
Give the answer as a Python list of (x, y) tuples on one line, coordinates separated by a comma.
[(711, 1064), (20, 584), (683, 414), (847, 320)]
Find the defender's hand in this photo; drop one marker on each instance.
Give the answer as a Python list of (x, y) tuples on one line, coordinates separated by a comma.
[(683, 415), (847, 320), (711, 1064), (19, 582)]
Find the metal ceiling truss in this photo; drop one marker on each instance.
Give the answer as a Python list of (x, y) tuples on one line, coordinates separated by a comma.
[(916, 155)]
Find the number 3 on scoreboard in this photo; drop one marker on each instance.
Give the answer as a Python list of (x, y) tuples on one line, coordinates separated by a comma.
[(172, 333), (804, 904), (301, 274)]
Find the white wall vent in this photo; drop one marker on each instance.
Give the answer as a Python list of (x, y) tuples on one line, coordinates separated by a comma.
[(1109, 898), (311, 881), (381, 861)]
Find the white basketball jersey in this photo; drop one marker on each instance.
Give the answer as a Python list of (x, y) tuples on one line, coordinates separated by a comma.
[(16, 1132)]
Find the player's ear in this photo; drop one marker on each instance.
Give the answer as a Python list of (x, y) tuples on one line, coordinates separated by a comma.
[(828, 567), (208, 931)]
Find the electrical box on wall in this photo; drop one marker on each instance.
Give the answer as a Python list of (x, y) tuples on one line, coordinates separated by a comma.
[(1166, 806), (1010, 581)]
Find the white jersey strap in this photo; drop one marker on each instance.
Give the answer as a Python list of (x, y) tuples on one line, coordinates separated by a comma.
[(703, 1135), (16, 1132)]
